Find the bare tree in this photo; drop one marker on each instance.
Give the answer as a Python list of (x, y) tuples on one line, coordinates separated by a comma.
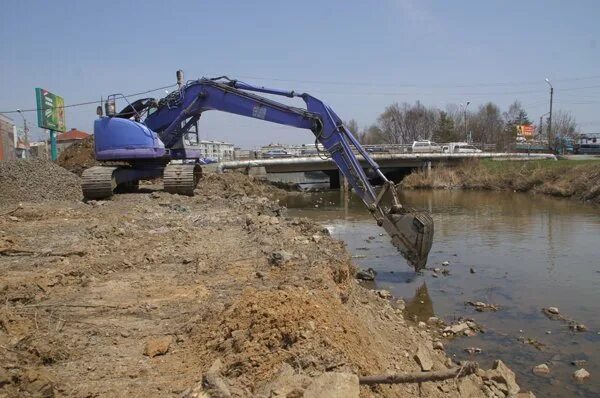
[(352, 125), (487, 126), (372, 135), (390, 124), (563, 125), (403, 124)]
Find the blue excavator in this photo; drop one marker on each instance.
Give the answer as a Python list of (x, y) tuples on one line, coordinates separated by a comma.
[(147, 140)]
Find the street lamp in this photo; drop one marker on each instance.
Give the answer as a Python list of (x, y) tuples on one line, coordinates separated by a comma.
[(25, 130), (550, 117)]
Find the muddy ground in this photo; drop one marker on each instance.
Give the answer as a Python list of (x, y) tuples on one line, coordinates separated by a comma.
[(142, 294)]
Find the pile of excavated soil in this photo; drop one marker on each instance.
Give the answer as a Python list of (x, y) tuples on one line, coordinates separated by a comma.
[(78, 156), (36, 180)]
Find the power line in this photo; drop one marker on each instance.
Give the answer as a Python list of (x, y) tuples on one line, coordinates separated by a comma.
[(92, 102), (376, 84)]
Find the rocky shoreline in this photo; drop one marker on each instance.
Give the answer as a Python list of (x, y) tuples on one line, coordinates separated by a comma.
[(217, 295)]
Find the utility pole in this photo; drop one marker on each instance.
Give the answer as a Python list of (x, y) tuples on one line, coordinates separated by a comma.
[(26, 132), (466, 123), (550, 117)]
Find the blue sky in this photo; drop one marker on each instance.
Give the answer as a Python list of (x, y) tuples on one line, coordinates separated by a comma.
[(358, 56)]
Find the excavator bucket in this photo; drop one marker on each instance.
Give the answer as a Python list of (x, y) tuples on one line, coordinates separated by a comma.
[(412, 234)]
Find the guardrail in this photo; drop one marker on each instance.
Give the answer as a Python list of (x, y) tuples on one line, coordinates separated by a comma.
[(381, 157)]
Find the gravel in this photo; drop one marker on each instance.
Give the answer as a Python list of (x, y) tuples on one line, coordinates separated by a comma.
[(36, 180)]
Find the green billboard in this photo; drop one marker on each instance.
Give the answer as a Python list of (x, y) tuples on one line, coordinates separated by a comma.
[(50, 110)]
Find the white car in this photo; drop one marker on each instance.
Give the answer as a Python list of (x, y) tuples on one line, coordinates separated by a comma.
[(425, 147), (460, 147)]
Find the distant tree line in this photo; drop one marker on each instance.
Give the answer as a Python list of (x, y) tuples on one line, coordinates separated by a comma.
[(404, 123)]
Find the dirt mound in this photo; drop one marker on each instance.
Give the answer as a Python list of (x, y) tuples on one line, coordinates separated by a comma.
[(78, 156), (235, 184), (36, 180)]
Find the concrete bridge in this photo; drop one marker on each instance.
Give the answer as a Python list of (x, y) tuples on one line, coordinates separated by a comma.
[(392, 164)]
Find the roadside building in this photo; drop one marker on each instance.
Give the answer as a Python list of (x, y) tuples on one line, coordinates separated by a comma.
[(216, 150), (39, 149), (68, 138), (20, 149), (244, 154), (7, 138)]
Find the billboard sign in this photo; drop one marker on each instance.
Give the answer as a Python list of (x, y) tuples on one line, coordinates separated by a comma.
[(526, 131), (50, 110)]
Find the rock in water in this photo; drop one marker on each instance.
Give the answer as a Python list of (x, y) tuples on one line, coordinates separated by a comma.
[(581, 375), (366, 275), (541, 370)]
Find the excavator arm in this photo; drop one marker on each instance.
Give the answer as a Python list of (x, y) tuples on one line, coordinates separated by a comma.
[(411, 231)]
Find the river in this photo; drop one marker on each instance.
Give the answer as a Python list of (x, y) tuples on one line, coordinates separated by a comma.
[(527, 251)]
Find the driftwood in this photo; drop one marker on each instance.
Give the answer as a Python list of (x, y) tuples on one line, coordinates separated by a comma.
[(72, 305), (7, 213), (418, 377), (22, 252)]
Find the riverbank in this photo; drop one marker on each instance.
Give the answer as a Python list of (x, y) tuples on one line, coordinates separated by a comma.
[(152, 294), (563, 178)]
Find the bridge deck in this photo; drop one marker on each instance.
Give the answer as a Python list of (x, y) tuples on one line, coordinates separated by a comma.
[(385, 160)]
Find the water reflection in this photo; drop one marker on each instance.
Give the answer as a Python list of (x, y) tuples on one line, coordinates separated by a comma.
[(420, 306)]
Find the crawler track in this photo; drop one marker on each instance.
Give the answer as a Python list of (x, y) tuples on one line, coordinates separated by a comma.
[(98, 182), (182, 178)]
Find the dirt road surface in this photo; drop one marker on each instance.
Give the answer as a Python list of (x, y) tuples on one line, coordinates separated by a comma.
[(142, 294)]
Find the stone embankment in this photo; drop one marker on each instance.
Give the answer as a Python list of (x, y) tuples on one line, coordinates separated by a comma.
[(570, 179), (218, 295)]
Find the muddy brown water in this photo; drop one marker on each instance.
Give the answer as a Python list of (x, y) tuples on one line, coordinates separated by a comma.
[(528, 252)]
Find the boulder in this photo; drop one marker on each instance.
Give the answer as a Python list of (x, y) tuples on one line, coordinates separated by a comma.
[(581, 375), (470, 387), (526, 395), (279, 258), (423, 358), (458, 328), (333, 385), (501, 373), (158, 346), (366, 275), (541, 370)]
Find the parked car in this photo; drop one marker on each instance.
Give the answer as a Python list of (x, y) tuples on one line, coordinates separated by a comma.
[(276, 153), (425, 147), (460, 147)]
